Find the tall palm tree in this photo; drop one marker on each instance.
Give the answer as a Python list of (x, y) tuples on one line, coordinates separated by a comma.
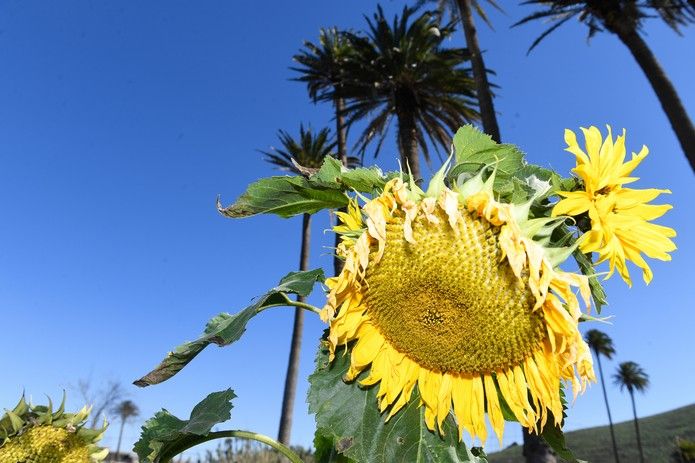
[(602, 345), (625, 19), (402, 70), (308, 151), (632, 377), (125, 410), (462, 10)]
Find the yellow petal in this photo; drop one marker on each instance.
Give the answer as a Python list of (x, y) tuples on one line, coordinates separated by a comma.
[(494, 412)]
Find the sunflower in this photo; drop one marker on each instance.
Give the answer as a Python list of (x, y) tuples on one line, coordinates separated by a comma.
[(447, 291), (39, 434), (620, 217)]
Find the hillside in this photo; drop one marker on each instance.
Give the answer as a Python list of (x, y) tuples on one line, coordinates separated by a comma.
[(594, 444)]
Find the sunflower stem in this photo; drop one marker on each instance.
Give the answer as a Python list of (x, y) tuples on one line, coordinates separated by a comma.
[(168, 456)]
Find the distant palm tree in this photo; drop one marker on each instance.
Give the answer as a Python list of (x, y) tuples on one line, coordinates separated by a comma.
[(625, 18), (632, 377), (463, 10), (402, 70), (602, 345), (125, 410), (322, 68), (309, 151)]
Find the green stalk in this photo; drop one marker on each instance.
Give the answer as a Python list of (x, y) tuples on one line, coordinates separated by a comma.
[(168, 455), (290, 302), (301, 305)]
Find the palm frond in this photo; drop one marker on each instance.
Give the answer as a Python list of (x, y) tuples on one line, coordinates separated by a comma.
[(402, 63), (615, 16), (631, 376), (549, 31), (451, 8), (308, 150), (600, 343)]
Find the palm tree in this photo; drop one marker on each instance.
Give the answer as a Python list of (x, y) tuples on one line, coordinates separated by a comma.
[(125, 410), (625, 18), (632, 377), (602, 345), (463, 10), (309, 151), (322, 67), (401, 70)]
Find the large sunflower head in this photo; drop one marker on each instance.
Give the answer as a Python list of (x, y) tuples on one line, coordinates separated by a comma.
[(448, 291), (620, 217)]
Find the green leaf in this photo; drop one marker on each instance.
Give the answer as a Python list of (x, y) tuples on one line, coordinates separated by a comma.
[(332, 174), (225, 329), (365, 179), (519, 193), (347, 415), (469, 142), (329, 174), (325, 451), (300, 283), (475, 149), (163, 434), (284, 196)]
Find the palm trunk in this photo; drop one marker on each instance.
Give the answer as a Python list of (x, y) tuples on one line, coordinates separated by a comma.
[(340, 130), (608, 409), (341, 136), (120, 436), (634, 414), (407, 143), (670, 101), (487, 109), (293, 362), (536, 450)]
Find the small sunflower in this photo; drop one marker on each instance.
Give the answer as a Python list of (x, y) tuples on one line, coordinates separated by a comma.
[(447, 291), (39, 434), (620, 217)]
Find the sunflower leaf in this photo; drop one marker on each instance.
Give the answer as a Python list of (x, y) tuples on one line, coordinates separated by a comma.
[(364, 179), (164, 435), (224, 329), (348, 418), (329, 174), (474, 149), (469, 142), (284, 196), (333, 175), (325, 451)]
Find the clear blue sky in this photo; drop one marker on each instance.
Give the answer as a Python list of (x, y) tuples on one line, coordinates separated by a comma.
[(120, 123)]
